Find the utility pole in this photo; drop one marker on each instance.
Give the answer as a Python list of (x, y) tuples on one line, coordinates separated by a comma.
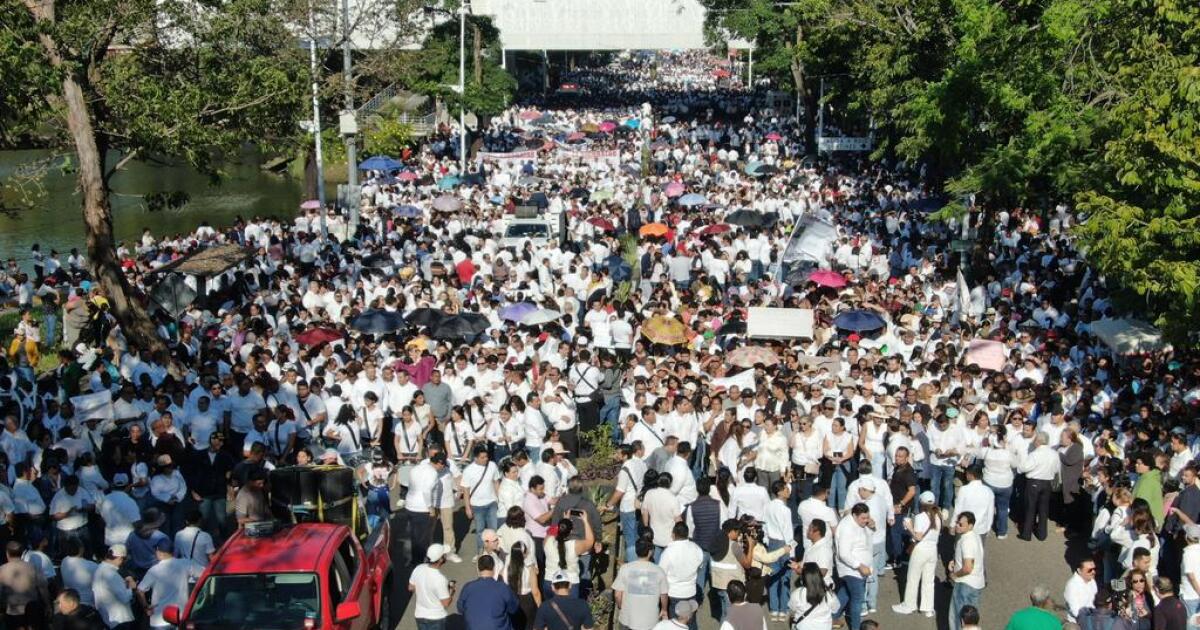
[(348, 124), (316, 121), (462, 87)]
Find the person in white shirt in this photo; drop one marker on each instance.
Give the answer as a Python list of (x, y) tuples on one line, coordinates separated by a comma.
[(69, 510), (113, 593), (779, 530), (1080, 589), (510, 493), (683, 484), (749, 498), (682, 617), (119, 511), (925, 530), (78, 572), (966, 569), (625, 497), (1189, 589), (419, 502), (819, 550), (816, 508), (975, 497), (481, 486), (1039, 466), (813, 602), (681, 560), (946, 446), (167, 583), (194, 543), (660, 511), (431, 590), (854, 559)]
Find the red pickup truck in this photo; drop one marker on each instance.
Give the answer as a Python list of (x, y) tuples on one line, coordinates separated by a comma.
[(275, 577)]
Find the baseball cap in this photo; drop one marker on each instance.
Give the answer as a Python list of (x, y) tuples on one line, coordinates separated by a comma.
[(118, 551), (436, 552), (120, 480), (686, 608), (559, 577), (1192, 531), (927, 497)]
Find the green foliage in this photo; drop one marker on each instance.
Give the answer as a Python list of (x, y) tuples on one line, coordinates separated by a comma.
[(388, 137), (1095, 102)]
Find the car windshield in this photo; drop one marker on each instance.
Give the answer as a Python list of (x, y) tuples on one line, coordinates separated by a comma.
[(527, 230), (264, 601)]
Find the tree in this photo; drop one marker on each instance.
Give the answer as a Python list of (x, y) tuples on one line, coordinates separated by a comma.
[(132, 78)]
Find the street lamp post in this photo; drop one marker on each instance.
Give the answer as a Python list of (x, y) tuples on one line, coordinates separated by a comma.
[(462, 87), (316, 122), (349, 127)]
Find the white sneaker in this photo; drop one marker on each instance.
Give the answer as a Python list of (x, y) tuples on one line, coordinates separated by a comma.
[(928, 614), (1001, 536), (901, 609), (453, 557)]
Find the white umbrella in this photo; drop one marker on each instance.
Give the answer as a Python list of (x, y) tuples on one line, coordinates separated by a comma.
[(541, 316)]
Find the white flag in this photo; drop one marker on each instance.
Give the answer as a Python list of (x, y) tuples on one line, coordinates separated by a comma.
[(90, 406)]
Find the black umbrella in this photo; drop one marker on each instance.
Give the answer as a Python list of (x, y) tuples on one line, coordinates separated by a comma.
[(746, 218), (580, 193), (427, 317), (378, 261), (378, 322), (732, 328), (473, 179), (462, 326)]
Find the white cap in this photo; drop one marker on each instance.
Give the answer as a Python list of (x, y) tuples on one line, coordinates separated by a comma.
[(118, 551), (436, 552), (927, 497)]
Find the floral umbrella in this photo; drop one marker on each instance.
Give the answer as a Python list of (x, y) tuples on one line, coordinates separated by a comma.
[(665, 330), (750, 356)]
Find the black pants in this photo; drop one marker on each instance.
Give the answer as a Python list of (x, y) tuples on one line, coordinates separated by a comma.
[(588, 414), (570, 442), (421, 528), (1037, 508)]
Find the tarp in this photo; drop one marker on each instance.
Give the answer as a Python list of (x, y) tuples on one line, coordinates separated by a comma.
[(98, 405), (779, 323), (814, 244), (209, 261), (987, 354), (1127, 336)]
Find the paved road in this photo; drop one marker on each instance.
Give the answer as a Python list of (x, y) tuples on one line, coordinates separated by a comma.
[(1013, 567)]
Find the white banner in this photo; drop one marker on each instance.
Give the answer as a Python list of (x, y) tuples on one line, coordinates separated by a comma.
[(515, 156), (831, 144), (742, 380), (90, 406), (779, 323)]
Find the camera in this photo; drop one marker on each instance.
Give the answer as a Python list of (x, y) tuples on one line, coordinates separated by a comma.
[(1117, 585)]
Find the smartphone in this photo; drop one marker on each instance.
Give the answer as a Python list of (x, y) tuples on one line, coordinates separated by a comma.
[(578, 513)]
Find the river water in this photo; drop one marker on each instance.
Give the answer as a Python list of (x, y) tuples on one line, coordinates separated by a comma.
[(56, 221)]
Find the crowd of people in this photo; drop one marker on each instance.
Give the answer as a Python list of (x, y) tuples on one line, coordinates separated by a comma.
[(774, 480)]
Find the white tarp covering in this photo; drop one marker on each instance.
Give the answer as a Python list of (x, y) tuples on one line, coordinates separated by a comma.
[(1127, 336), (779, 323), (98, 405), (594, 25), (814, 244)]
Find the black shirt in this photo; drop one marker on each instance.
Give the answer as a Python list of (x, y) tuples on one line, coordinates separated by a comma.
[(903, 478), (576, 612), (1170, 614)]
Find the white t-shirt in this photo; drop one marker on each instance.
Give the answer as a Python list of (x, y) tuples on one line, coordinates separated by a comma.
[(194, 541), (112, 594), (483, 493), (1191, 564), (629, 482), (663, 508), (168, 579), (970, 546), (430, 587), (681, 560), (77, 573)]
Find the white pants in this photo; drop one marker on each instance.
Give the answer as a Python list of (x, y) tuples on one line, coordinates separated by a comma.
[(921, 566)]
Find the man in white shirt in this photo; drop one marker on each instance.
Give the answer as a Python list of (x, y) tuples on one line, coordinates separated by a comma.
[(1189, 590), (853, 561), (78, 572), (194, 543), (946, 447), (660, 511), (1080, 589), (816, 508), (419, 502), (431, 590), (1039, 466), (966, 570), (683, 484), (681, 560), (119, 511), (749, 498), (820, 550), (625, 497), (481, 486), (167, 582), (69, 510), (779, 530), (976, 498), (113, 593)]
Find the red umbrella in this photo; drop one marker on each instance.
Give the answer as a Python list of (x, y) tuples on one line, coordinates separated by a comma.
[(603, 224), (718, 228), (318, 335), (774, 137), (408, 176), (575, 137), (721, 73), (532, 114), (827, 278)]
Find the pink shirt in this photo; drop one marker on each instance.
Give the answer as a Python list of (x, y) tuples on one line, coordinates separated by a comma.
[(535, 506)]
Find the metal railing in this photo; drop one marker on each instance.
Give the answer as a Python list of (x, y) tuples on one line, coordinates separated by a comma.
[(378, 101)]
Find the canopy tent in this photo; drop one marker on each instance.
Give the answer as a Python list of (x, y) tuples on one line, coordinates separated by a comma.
[(208, 262), (1127, 336), (779, 322)]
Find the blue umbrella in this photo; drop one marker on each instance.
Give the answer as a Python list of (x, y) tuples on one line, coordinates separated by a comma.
[(517, 311), (618, 268), (448, 182), (408, 212), (692, 199), (859, 321), (378, 322), (633, 123), (379, 163)]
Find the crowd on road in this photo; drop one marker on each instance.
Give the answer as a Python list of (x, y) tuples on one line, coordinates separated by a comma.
[(913, 415)]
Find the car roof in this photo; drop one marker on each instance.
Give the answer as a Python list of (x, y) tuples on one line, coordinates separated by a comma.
[(294, 548)]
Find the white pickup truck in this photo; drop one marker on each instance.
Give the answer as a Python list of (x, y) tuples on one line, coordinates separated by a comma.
[(528, 224)]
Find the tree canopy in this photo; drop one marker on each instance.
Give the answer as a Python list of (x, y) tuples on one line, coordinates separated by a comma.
[(1094, 103)]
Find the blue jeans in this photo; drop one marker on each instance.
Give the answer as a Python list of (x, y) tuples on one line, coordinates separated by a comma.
[(777, 581), (896, 539), (722, 604), (941, 481), (878, 559), (431, 624), (213, 517), (962, 596), (699, 459), (1003, 501), (702, 577), (485, 518), (850, 593), (629, 531), (837, 489), (50, 326), (610, 414)]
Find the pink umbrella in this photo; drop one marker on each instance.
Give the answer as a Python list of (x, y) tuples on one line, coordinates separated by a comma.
[(407, 176), (674, 189), (718, 228), (575, 136), (987, 354), (774, 137), (827, 278), (532, 114), (607, 126), (311, 204)]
